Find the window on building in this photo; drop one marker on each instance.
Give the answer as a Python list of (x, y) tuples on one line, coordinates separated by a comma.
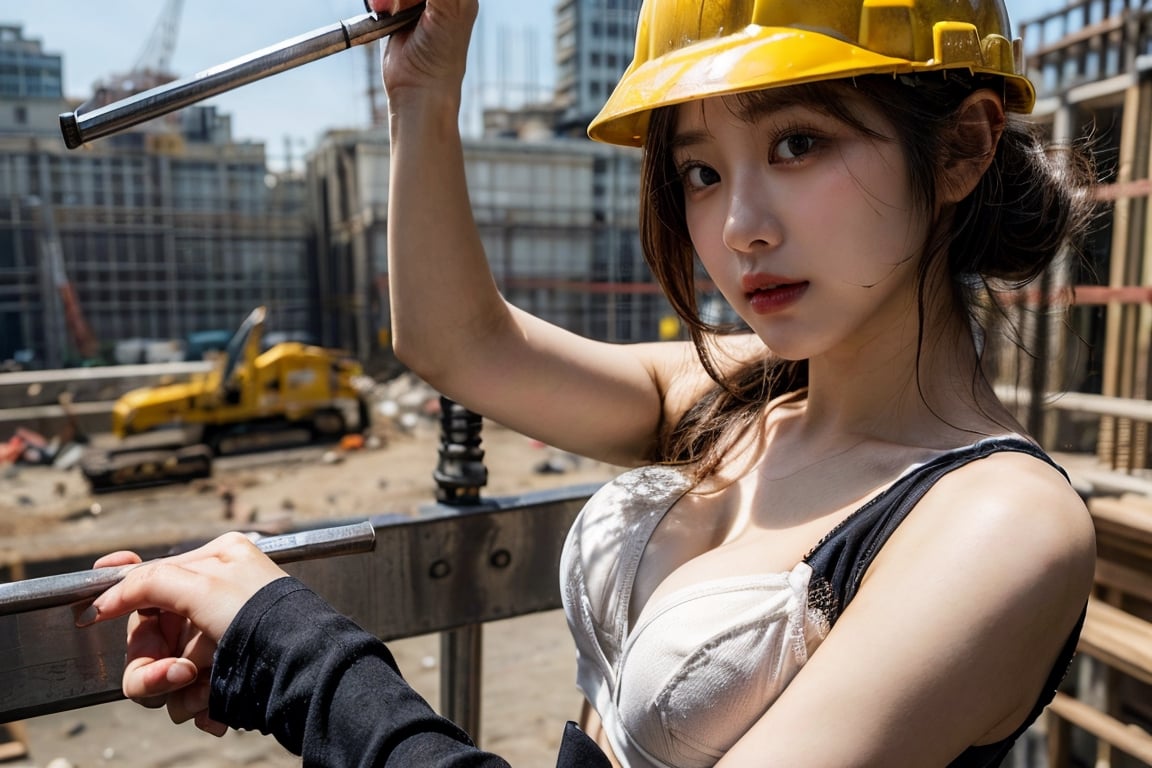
[(21, 115)]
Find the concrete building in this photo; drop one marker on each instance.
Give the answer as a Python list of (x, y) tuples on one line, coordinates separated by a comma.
[(31, 83), (154, 233), (595, 41), (557, 217)]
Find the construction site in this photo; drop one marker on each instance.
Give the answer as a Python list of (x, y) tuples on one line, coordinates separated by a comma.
[(296, 417)]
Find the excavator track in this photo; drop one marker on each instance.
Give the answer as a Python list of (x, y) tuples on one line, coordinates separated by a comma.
[(113, 471), (258, 436)]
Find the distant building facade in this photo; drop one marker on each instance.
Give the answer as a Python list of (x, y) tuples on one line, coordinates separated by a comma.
[(595, 40), (31, 83), (558, 220), (162, 231)]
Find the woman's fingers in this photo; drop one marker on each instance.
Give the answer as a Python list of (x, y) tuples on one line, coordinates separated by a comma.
[(117, 558), (180, 606), (160, 585), (432, 55), (190, 703), (151, 681), (156, 635), (172, 683), (160, 658), (208, 586)]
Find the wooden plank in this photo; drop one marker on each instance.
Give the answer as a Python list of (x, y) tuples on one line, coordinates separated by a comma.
[(1116, 481), (1128, 738), (1117, 190), (1140, 272), (13, 741), (1097, 295), (1138, 501), (1109, 441), (1059, 739), (1138, 409), (1118, 639), (1122, 518), (1131, 581), (12, 750)]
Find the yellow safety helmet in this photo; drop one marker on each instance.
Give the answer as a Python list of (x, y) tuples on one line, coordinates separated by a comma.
[(692, 49)]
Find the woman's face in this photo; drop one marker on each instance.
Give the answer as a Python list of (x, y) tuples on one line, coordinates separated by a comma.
[(805, 224)]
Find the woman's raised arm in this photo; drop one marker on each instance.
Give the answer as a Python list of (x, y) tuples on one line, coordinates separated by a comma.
[(449, 322)]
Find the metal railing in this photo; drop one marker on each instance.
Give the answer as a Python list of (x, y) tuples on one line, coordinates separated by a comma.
[(447, 570)]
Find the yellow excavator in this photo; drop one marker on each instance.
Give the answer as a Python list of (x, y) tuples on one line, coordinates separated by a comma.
[(252, 399)]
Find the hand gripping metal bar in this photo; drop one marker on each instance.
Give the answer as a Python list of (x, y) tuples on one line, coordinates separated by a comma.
[(112, 118), (68, 588)]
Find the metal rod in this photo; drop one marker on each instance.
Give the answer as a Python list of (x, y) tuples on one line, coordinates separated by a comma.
[(112, 118), (461, 675), (68, 588)]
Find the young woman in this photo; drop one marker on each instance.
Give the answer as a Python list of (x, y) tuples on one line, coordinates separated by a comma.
[(837, 548)]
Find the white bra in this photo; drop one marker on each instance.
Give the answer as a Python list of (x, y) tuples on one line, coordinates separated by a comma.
[(704, 662)]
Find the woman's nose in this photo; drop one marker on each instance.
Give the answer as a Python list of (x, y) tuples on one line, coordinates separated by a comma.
[(749, 227)]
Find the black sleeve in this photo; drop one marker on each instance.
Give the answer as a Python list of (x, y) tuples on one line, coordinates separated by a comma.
[(292, 666)]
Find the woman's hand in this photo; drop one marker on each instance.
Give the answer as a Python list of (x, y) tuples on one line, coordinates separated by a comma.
[(181, 606), (430, 56)]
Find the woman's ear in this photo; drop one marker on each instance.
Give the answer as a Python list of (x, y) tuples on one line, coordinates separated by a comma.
[(970, 145)]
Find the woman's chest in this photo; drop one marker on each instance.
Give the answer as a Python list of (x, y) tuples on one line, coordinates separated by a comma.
[(747, 528)]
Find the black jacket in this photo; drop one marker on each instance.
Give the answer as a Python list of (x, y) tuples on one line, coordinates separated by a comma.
[(292, 666)]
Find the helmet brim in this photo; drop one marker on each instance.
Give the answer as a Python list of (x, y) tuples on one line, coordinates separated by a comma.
[(754, 59)]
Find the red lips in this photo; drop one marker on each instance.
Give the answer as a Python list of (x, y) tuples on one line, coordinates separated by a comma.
[(772, 293)]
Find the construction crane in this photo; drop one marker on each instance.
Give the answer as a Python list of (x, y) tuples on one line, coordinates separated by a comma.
[(156, 57), (153, 66), (52, 257)]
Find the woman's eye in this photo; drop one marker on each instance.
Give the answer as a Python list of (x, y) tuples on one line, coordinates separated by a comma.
[(700, 176), (795, 146)]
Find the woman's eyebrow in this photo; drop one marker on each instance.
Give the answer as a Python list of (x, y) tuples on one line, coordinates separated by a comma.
[(684, 139)]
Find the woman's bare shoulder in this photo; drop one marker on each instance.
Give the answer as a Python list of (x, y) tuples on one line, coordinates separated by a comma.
[(1013, 508), (1017, 492)]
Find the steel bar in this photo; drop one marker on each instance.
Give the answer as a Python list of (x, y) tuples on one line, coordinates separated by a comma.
[(68, 588), (80, 128)]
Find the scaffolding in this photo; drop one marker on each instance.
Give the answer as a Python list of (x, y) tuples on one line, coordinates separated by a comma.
[(1090, 62)]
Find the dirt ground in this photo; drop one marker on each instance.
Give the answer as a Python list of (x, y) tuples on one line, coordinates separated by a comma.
[(529, 662)]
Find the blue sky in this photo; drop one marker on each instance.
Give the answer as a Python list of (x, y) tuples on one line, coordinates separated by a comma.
[(512, 58)]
